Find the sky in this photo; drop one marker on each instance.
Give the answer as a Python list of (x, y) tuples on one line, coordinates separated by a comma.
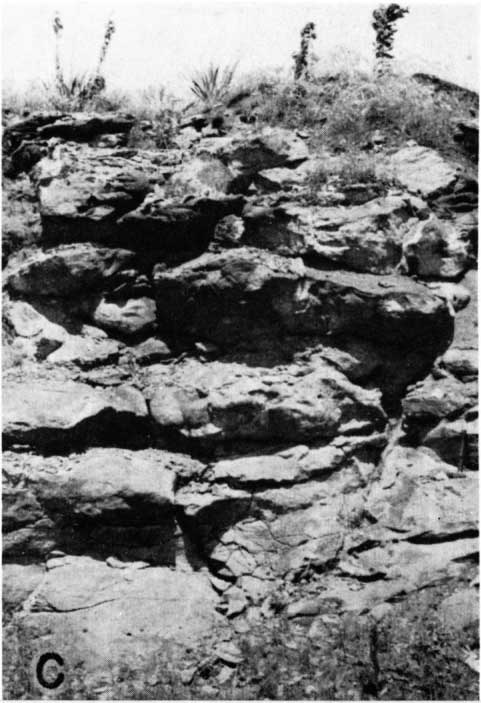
[(160, 42)]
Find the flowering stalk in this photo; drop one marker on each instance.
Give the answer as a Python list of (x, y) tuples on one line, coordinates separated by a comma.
[(383, 24), (303, 58)]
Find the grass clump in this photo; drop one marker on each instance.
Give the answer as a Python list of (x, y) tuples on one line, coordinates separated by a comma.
[(158, 116)]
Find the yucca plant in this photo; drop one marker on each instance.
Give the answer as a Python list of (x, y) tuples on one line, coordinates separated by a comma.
[(80, 89), (212, 86)]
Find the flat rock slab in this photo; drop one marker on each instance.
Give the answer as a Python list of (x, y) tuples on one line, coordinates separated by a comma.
[(103, 619), (49, 414), (423, 171), (79, 126)]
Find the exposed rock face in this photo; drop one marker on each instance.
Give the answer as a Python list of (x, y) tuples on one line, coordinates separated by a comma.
[(423, 171), (62, 413), (104, 502), (76, 127), (66, 270), (437, 249), (225, 402), (419, 496), (249, 153), (172, 226), (83, 191), (224, 399), (366, 238), (127, 316), (231, 296)]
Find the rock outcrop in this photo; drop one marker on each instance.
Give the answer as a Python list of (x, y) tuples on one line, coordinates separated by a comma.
[(222, 400)]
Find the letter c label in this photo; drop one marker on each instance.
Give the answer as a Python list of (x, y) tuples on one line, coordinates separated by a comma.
[(44, 659)]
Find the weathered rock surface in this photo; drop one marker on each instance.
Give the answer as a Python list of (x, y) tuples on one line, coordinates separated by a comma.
[(86, 352), (84, 191), (66, 413), (461, 609), (166, 225), (212, 403), (271, 516), (419, 496), (423, 171), (250, 152), (79, 126), (228, 394), (103, 619), (365, 238), (127, 317), (105, 502), (234, 295), (442, 414), (436, 249), (65, 270)]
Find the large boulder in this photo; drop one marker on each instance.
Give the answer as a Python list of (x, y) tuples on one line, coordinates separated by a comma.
[(165, 224), (423, 171), (126, 317), (437, 249), (365, 238), (83, 191), (245, 294), (219, 402), (106, 502), (31, 334), (65, 271), (249, 152), (201, 176), (65, 413)]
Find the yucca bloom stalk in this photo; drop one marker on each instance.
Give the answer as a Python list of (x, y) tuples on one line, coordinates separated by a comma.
[(384, 19), (108, 34), (303, 58), (81, 89), (58, 28)]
